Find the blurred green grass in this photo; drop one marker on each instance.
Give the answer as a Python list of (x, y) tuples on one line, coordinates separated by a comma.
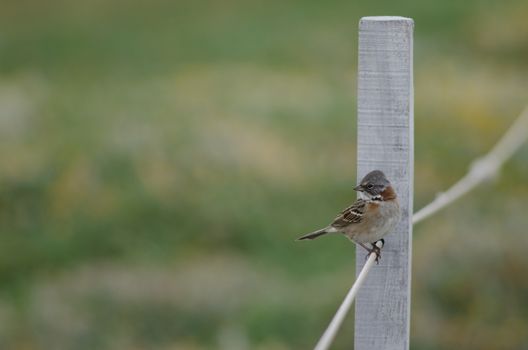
[(159, 158)]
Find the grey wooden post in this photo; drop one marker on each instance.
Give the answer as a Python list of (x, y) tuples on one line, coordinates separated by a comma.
[(385, 142)]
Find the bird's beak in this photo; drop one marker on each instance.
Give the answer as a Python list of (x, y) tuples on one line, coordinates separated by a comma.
[(358, 188)]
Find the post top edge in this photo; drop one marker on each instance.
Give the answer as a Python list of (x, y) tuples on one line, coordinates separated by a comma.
[(387, 19)]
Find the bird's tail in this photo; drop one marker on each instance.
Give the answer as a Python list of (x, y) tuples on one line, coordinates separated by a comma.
[(315, 234)]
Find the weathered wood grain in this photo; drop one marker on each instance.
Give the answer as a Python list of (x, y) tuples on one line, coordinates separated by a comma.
[(385, 142)]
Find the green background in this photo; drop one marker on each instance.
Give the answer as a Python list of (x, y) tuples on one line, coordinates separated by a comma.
[(159, 158)]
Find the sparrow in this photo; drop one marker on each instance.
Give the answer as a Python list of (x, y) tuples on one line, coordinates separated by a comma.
[(370, 217)]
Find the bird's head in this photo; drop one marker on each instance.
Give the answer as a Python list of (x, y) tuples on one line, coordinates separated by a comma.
[(373, 184)]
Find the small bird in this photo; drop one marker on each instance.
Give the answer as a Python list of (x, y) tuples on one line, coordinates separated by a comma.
[(370, 218)]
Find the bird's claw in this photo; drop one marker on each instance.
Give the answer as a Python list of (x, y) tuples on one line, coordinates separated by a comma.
[(376, 248)]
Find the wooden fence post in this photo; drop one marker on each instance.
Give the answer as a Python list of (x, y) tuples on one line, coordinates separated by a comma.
[(385, 142)]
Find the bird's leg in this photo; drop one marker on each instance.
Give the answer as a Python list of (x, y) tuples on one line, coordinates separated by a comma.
[(364, 246), (369, 250), (377, 249)]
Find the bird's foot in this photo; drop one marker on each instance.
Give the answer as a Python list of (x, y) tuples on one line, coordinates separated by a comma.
[(376, 248)]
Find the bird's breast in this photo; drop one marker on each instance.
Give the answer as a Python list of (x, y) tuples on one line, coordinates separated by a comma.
[(379, 219)]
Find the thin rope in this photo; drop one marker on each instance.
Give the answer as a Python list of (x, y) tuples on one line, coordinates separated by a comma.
[(328, 336), (482, 169)]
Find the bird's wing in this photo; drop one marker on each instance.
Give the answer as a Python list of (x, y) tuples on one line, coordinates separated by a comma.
[(351, 215)]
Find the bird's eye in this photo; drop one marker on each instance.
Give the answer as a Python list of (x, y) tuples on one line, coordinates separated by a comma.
[(370, 186)]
